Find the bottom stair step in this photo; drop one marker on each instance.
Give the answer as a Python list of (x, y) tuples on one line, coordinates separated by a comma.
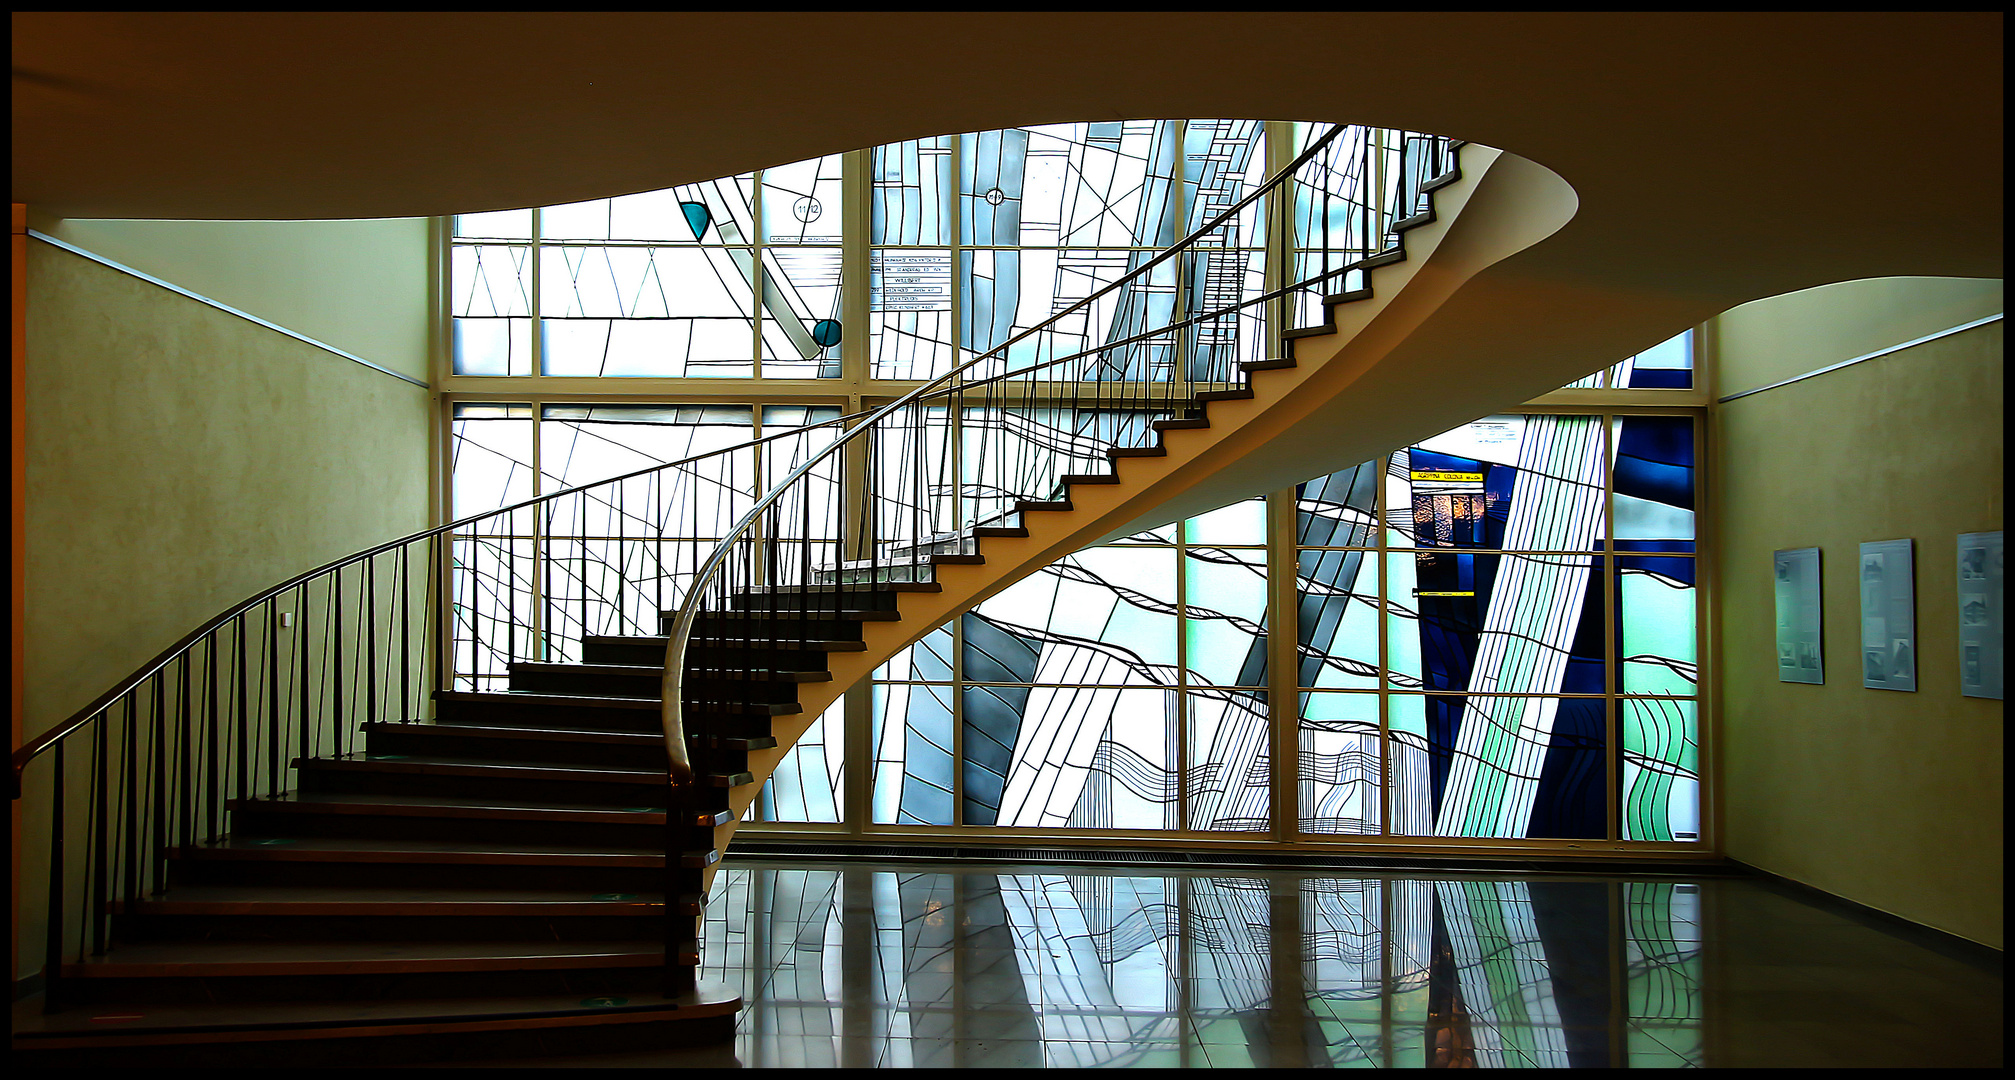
[(387, 1031)]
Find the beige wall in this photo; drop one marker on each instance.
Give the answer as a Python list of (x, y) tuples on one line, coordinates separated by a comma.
[(180, 459), (1893, 800), (361, 286)]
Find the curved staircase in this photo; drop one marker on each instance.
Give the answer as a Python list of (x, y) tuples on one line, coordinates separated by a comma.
[(496, 882)]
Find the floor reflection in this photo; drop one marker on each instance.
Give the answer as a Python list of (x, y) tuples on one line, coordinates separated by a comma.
[(1087, 968), (864, 966)]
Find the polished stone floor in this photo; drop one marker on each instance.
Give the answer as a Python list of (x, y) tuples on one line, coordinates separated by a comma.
[(853, 964)]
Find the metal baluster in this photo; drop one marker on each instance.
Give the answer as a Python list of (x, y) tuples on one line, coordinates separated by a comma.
[(102, 825), (302, 748), (129, 838), (274, 723), (53, 990), (371, 641), (156, 857), (337, 721)]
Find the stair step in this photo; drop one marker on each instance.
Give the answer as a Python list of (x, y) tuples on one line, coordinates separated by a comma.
[(354, 804), (334, 849), (197, 959), (1118, 452), (1043, 507), (1225, 395), (306, 901), (986, 531), (159, 1027), (453, 766), (1383, 258), (814, 613), (1274, 364), (1423, 218), (1183, 422), (1350, 296), (1088, 478)]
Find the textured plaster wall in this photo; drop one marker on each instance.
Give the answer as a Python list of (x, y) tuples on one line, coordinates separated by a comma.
[(180, 459), (1893, 800), (361, 286)]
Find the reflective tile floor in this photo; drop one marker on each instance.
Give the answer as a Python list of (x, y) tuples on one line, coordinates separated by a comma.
[(853, 964)]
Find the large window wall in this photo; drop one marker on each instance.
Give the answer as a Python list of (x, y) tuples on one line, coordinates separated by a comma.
[(1496, 631)]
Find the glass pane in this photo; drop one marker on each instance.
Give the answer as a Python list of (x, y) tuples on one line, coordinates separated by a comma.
[(667, 312), (1661, 769), (1079, 757), (1501, 623), (806, 786), (1337, 620), (1655, 606), (492, 451), (1224, 616), (1230, 282), (1104, 615), (580, 444), (801, 313), (1339, 782), (1239, 523), (1336, 510), (1654, 483), (711, 212), (1526, 483), (912, 778), (801, 202), (912, 192), (491, 299), (1230, 761), (491, 579), (1510, 768), (910, 320), (1005, 293), (1667, 365), (495, 225), (493, 346), (1223, 161), (1105, 183)]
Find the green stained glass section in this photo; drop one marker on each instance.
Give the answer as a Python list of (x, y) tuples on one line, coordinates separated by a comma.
[(1224, 616), (1660, 636), (1239, 523), (1662, 941), (1661, 769)]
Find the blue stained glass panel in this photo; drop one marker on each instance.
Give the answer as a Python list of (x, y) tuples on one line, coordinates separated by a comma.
[(1654, 481)]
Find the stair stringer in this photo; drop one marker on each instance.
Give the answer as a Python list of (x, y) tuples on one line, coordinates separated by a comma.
[(1501, 205)]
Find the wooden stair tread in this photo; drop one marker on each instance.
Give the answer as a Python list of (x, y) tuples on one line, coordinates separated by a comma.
[(470, 766), (441, 900), (522, 697), (211, 959), (490, 807), (486, 731), (111, 1022), (395, 850)]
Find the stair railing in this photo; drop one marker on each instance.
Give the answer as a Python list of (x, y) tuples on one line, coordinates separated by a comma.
[(927, 475), (303, 668)]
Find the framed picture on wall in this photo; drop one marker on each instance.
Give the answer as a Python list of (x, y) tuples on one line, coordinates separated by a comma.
[(1888, 615), (1800, 658), (1980, 614)]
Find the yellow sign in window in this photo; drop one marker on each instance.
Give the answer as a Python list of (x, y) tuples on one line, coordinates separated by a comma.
[(1449, 477)]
